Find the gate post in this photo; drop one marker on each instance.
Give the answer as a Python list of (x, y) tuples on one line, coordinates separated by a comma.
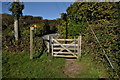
[(52, 44), (31, 42), (79, 46), (48, 44)]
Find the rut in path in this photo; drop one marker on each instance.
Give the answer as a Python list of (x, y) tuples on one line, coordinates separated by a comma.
[(71, 68)]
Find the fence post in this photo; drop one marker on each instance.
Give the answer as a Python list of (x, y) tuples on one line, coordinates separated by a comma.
[(52, 44), (48, 44), (79, 46), (74, 45), (31, 42)]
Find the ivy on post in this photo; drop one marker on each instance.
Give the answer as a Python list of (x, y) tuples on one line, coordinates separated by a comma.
[(16, 9)]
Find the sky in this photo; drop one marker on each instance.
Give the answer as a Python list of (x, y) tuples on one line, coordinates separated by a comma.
[(48, 10)]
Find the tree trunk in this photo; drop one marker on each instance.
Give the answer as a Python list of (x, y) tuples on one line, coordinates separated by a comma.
[(66, 33), (16, 27)]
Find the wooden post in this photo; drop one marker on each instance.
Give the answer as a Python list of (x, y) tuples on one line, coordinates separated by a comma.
[(52, 44), (48, 44), (79, 46), (16, 25), (74, 45), (31, 42)]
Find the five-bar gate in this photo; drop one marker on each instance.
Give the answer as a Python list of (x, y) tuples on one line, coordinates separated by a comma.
[(59, 47)]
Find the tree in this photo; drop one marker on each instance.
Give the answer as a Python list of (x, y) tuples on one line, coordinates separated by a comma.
[(46, 27), (64, 17), (16, 9)]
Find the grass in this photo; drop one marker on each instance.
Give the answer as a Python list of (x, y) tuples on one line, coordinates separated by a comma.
[(20, 66), (90, 69)]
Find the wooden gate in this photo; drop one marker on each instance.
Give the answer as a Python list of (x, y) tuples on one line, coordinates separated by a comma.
[(60, 49)]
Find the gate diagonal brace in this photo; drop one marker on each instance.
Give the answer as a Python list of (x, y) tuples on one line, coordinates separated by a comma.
[(64, 47)]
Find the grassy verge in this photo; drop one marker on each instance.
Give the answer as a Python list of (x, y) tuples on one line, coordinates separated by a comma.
[(20, 66), (90, 69)]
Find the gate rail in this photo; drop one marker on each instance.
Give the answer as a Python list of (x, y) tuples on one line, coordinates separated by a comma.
[(60, 49)]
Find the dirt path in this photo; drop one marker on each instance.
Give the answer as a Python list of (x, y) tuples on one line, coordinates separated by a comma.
[(71, 68)]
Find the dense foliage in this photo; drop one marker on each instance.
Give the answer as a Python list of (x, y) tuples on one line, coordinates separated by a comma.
[(8, 41), (103, 19)]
